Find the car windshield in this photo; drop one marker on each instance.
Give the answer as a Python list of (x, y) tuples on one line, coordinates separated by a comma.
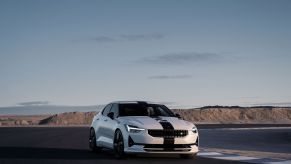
[(151, 110)]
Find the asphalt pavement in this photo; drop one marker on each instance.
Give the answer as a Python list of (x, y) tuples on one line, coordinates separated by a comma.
[(69, 145), (273, 140)]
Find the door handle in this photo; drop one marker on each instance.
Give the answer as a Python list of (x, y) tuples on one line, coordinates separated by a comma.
[(97, 119), (105, 120)]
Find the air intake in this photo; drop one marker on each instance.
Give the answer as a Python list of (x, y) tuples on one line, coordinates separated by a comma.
[(168, 133)]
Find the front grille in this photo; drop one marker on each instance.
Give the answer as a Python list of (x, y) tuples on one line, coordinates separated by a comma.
[(168, 133)]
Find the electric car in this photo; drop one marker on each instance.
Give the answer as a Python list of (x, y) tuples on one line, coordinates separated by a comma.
[(132, 127)]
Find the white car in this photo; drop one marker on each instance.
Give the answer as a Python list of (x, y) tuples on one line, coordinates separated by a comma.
[(141, 127)]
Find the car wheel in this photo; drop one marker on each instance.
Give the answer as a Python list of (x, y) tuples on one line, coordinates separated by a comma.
[(118, 145), (92, 141), (187, 156)]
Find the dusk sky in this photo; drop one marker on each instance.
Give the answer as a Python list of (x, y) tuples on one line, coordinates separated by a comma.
[(185, 53)]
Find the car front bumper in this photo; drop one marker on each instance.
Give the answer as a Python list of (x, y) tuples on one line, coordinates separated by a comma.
[(145, 143), (160, 149)]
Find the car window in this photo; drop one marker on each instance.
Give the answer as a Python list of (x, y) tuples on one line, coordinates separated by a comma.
[(106, 109), (160, 111), (114, 109), (151, 110)]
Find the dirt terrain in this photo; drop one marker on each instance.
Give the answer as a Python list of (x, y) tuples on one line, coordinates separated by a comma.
[(71, 118), (237, 115), (204, 115), (23, 120)]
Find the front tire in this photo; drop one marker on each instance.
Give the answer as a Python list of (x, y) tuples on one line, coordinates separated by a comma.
[(118, 145), (92, 141), (187, 156)]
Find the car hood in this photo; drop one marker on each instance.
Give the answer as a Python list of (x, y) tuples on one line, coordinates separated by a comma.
[(147, 122)]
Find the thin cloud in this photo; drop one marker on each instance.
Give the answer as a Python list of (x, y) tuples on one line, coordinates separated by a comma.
[(33, 103), (250, 97), (140, 37), (128, 38), (181, 58), (104, 39), (164, 77)]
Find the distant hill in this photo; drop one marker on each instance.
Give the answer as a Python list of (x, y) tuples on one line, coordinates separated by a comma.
[(237, 115), (46, 109), (207, 115), (204, 115), (72, 118)]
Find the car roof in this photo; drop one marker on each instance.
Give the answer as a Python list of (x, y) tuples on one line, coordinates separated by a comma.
[(133, 102)]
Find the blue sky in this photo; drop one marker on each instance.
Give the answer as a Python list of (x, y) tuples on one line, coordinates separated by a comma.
[(182, 53)]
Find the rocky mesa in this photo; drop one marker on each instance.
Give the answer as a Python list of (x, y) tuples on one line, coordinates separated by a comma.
[(70, 118), (237, 115), (204, 115)]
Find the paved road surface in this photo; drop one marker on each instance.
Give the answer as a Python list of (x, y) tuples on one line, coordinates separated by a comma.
[(219, 126), (262, 140), (40, 145)]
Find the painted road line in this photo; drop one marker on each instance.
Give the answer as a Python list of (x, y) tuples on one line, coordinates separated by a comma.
[(282, 162), (257, 128), (235, 157), (208, 153)]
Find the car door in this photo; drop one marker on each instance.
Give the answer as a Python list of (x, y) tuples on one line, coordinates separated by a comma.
[(110, 126), (101, 126)]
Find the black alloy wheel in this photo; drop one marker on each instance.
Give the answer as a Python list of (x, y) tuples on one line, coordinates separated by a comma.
[(92, 141), (118, 145)]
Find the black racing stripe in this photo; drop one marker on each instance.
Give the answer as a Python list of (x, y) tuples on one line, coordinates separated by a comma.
[(168, 127)]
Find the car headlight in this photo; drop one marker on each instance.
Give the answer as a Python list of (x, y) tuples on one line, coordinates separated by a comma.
[(194, 129), (133, 129)]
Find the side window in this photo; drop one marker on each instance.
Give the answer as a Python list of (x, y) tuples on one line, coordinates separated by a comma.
[(114, 109), (151, 111), (161, 111), (106, 109)]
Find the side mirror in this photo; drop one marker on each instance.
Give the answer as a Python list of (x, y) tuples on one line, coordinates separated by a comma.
[(178, 115), (111, 115)]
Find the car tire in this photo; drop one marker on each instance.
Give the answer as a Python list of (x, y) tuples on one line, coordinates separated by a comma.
[(118, 145), (187, 156), (92, 141)]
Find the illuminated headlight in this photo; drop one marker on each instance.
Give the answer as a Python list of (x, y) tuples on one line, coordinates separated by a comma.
[(194, 129), (133, 129)]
